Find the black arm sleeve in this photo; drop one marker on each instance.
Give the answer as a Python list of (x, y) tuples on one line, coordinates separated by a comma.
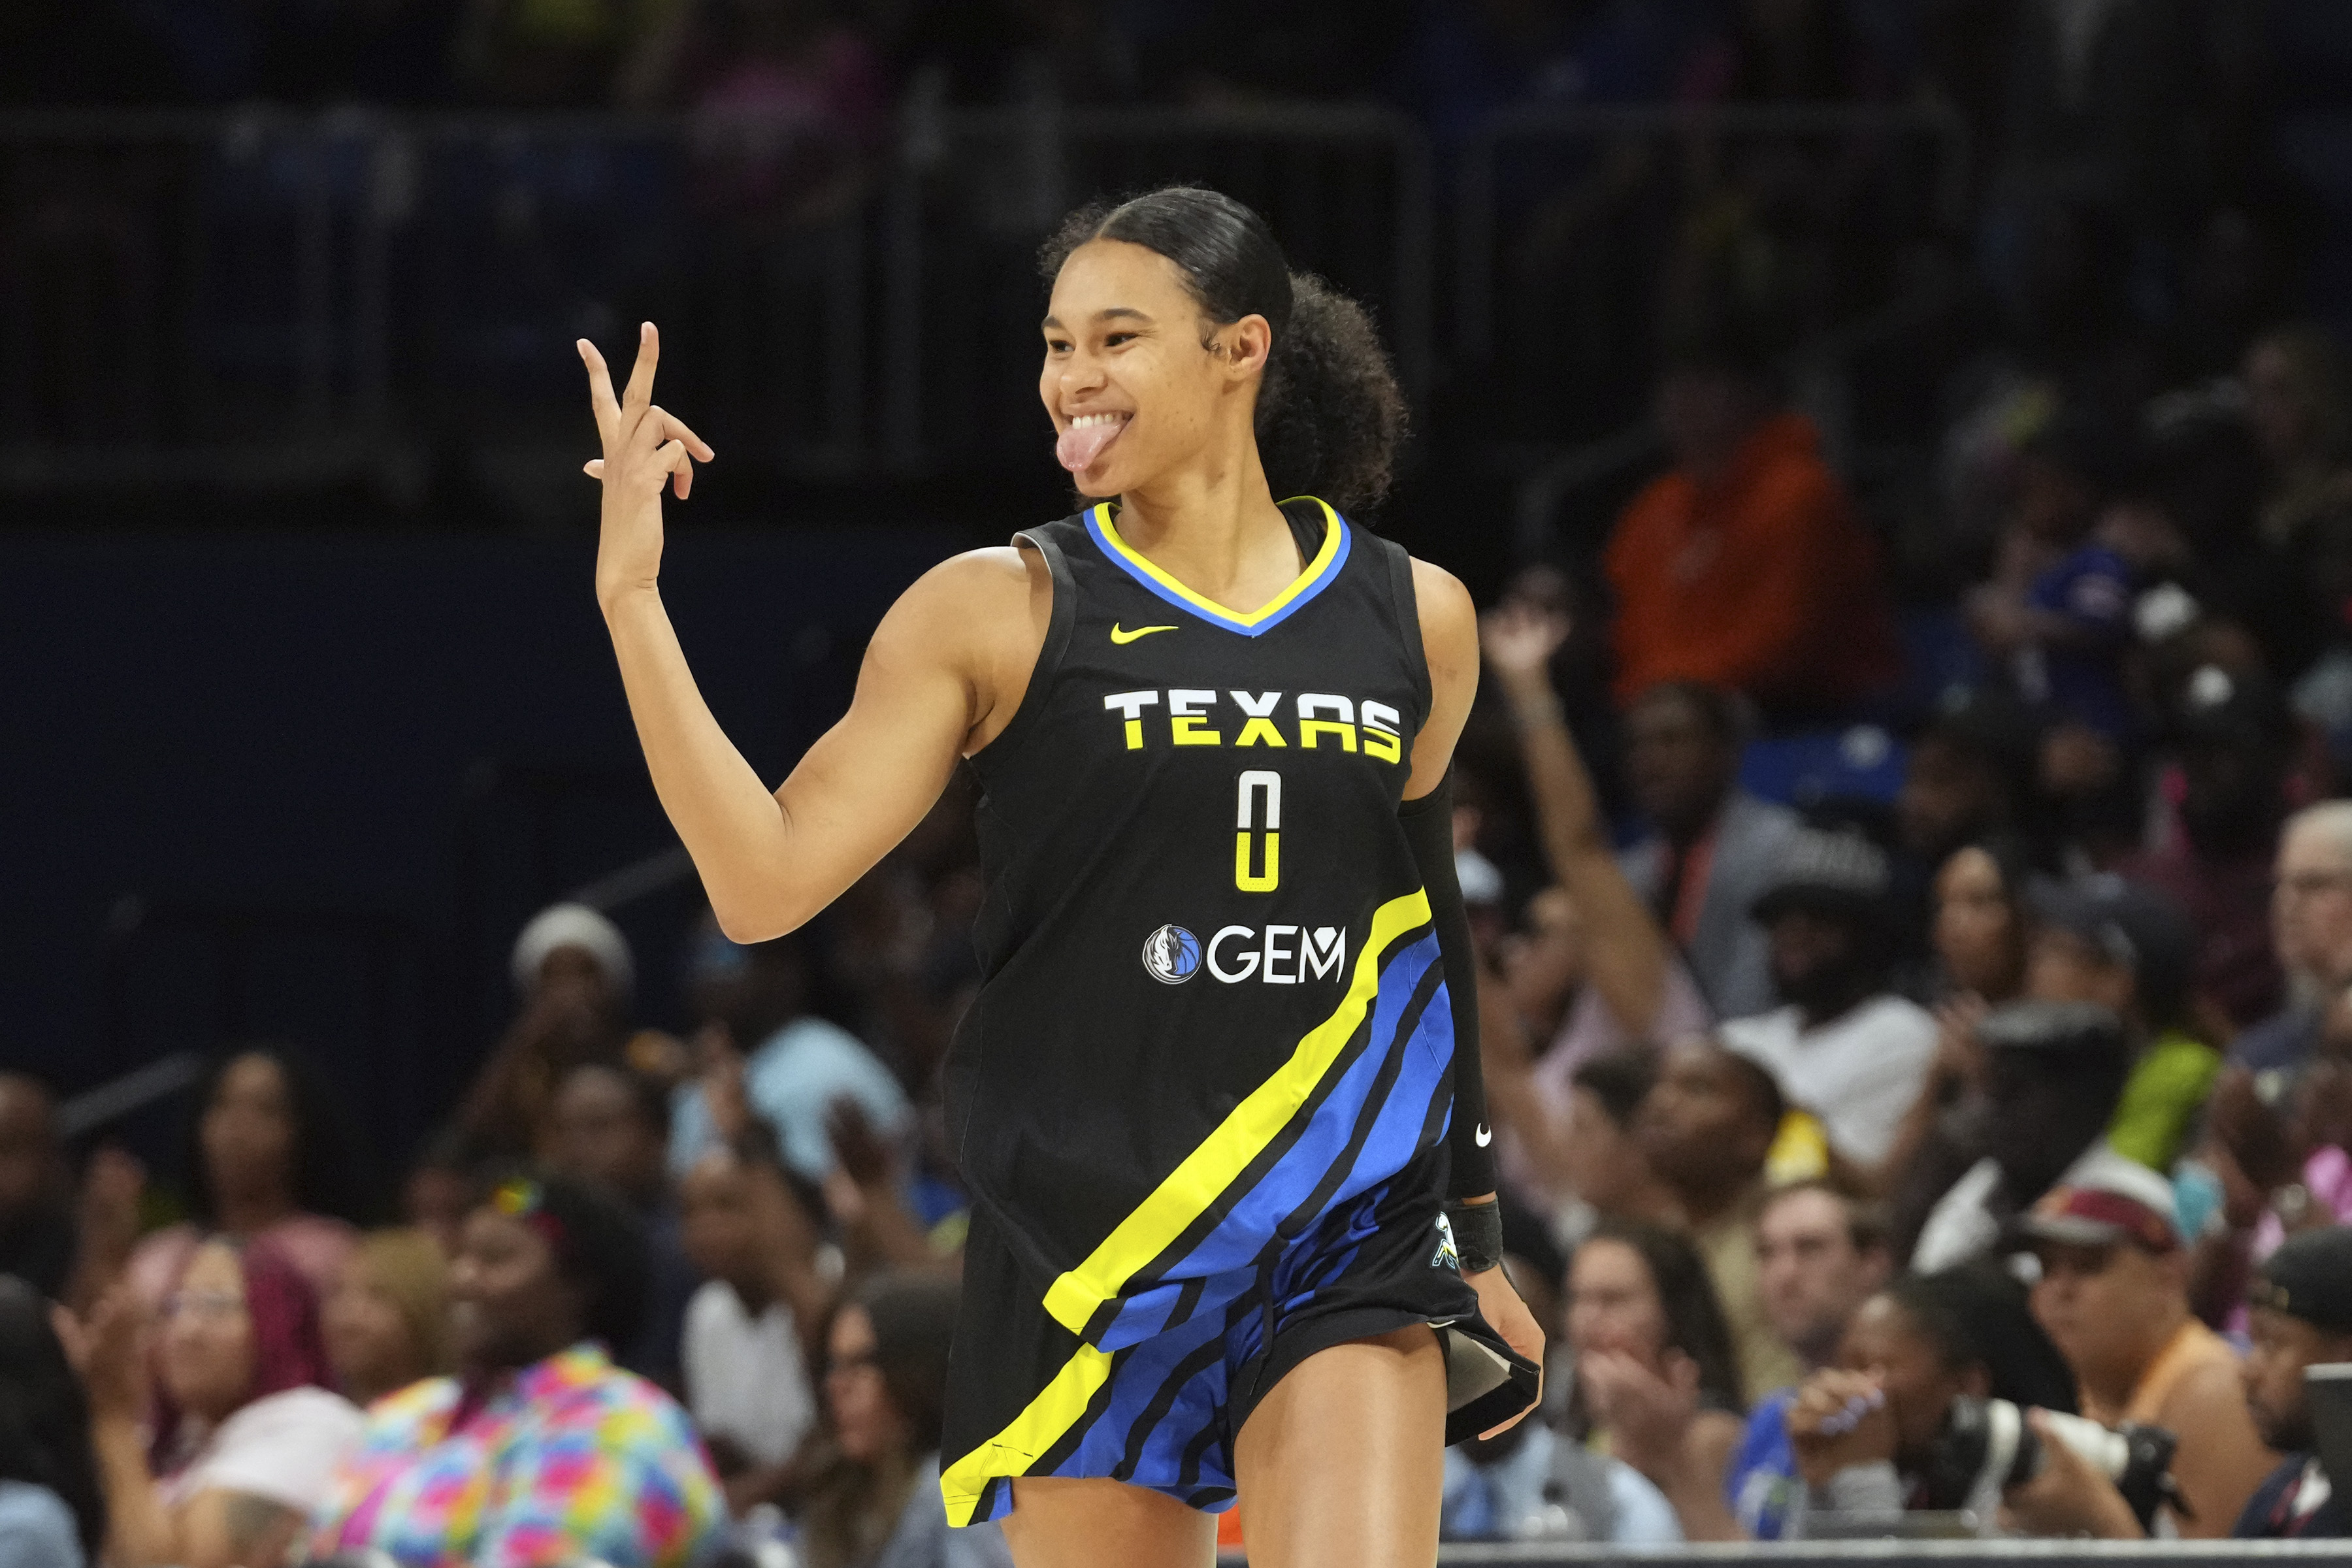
[(1428, 826)]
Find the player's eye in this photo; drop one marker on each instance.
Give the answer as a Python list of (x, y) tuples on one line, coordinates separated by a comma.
[(1116, 339)]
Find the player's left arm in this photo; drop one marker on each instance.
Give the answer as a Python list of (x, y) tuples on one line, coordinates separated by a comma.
[(1449, 641)]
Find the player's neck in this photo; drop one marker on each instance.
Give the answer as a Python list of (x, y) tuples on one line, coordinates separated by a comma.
[(1215, 527)]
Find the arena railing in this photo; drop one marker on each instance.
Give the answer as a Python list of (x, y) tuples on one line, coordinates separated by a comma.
[(1890, 1554), (258, 298)]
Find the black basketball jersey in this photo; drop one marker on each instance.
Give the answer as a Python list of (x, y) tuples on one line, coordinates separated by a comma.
[(1212, 1004)]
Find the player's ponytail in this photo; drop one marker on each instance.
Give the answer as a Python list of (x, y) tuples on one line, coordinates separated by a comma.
[(1330, 416)]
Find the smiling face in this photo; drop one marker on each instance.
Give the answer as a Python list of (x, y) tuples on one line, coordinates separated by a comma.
[(1135, 379), (508, 1305)]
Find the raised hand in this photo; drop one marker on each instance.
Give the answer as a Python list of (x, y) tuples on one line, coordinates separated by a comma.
[(645, 448), (1519, 640)]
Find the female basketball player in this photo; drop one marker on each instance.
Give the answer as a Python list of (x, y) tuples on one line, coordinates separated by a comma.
[(1218, 1101)]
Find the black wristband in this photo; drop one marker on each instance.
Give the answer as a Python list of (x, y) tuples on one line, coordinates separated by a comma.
[(1477, 1235)]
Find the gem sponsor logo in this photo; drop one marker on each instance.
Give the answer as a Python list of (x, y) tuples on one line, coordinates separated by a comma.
[(1279, 954)]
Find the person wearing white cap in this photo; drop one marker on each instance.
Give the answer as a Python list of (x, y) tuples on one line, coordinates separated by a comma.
[(585, 932), (2113, 1295), (574, 972)]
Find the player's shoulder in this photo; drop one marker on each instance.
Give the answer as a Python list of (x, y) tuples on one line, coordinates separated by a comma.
[(972, 592), (1448, 616)]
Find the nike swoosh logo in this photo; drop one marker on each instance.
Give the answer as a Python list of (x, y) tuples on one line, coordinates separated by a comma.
[(1121, 637), (1485, 1135)]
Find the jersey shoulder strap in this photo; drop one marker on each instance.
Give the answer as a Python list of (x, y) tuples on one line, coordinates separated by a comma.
[(1059, 620)]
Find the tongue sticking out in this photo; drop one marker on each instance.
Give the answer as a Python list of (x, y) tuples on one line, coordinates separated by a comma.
[(1080, 445)]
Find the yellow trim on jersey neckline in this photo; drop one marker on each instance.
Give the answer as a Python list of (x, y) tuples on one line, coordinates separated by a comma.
[(1181, 1199), (1314, 571)]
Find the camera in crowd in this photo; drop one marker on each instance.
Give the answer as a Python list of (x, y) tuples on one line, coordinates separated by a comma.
[(1988, 1441)]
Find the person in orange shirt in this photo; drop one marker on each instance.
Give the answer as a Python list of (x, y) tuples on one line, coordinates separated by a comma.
[(2114, 1298), (1743, 565)]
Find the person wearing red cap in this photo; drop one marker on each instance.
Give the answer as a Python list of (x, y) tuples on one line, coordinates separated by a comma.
[(2114, 1297)]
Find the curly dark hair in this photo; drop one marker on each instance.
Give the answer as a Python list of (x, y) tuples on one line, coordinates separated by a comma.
[(1330, 416)]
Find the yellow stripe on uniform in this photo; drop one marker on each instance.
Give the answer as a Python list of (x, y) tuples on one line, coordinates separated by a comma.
[(1013, 1450), (1298, 586), (1179, 1199)]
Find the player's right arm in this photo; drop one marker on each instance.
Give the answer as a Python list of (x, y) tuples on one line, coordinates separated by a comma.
[(942, 676)]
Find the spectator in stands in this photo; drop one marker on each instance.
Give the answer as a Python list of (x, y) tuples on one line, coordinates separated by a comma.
[(1657, 1382), (2113, 1294), (795, 1066), (1743, 565), (1705, 1130), (573, 971), (2299, 402), (610, 1126), (1595, 937), (2231, 737), (2311, 931), (1531, 1481), (387, 1323), (2301, 1318), (52, 1510), (596, 1462), (244, 1432), (1633, 988), (2054, 1072), (37, 1222), (269, 1157), (1818, 1256), (438, 1188), (2128, 948), (877, 1505), (1970, 776), (2056, 615), (757, 1323), (1911, 1350), (1842, 1045), (1606, 1166), (1979, 936), (1980, 931), (1712, 848)]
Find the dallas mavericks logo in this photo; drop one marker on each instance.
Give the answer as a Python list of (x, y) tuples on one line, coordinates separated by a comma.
[(1446, 1256), (1171, 955)]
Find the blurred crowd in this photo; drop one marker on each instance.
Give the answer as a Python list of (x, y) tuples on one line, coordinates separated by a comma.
[(1919, 1035)]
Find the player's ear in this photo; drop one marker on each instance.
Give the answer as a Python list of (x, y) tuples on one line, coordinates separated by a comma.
[(1246, 345)]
